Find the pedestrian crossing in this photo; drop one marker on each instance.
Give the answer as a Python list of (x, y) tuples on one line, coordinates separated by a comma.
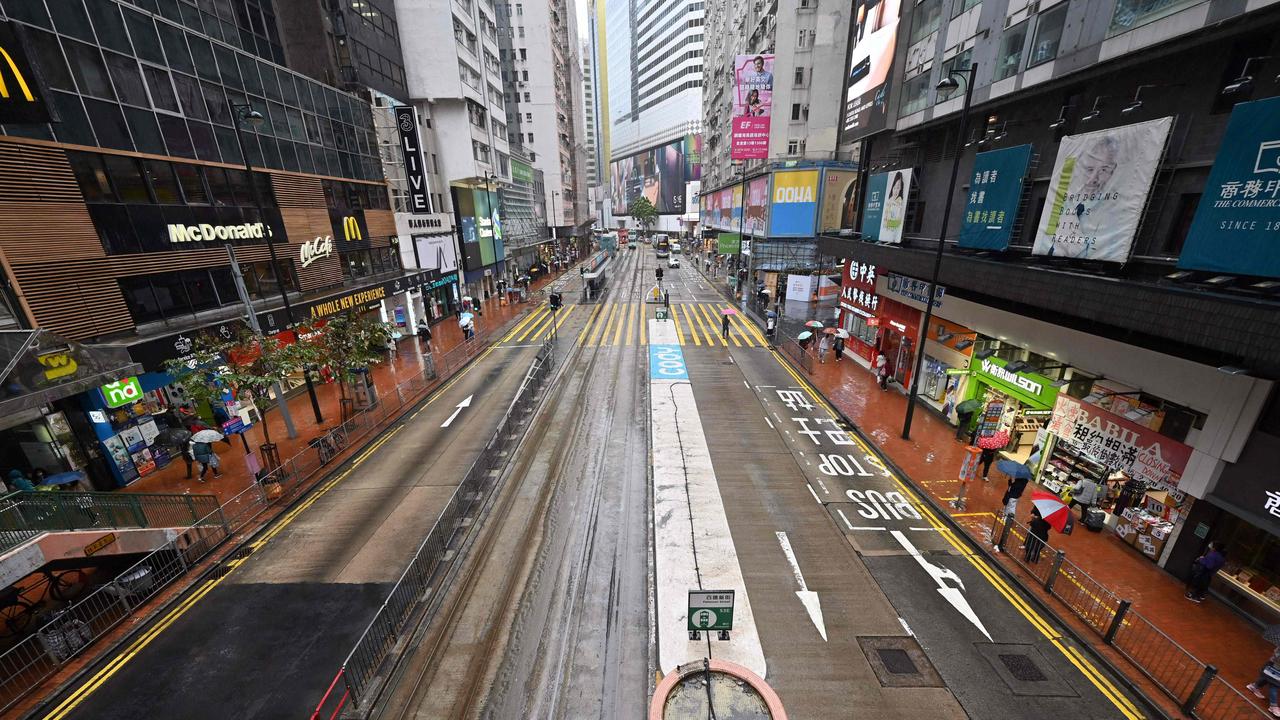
[(622, 324)]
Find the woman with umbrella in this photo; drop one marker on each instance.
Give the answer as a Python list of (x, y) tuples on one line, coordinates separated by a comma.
[(1019, 475), (838, 347), (964, 418), (990, 444), (201, 448), (1037, 536)]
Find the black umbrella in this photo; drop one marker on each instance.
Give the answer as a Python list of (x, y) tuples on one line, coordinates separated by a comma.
[(968, 407), (173, 437), (1272, 634)]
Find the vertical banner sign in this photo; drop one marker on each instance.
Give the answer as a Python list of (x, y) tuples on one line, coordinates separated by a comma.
[(875, 33), (885, 213), (1237, 224), (20, 98), (752, 106), (756, 207), (839, 200), (726, 210), (736, 216), (1098, 189), (794, 209), (414, 170), (994, 193), (711, 210)]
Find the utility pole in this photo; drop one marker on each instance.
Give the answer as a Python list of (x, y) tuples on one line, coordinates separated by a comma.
[(252, 318)]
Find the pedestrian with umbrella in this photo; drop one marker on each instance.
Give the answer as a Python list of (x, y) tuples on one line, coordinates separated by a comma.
[(724, 325), (424, 334), (882, 376), (990, 444), (804, 339), (1019, 475), (177, 438), (964, 418), (838, 347), (1269, 675), (1037, 537), (201, 448), (824, 344)]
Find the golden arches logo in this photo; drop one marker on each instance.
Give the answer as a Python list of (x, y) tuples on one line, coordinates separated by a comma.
[(351, 229), (17, 75)]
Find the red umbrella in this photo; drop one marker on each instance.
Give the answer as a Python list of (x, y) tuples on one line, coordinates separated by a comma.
[(1052, 509), (994, 441)]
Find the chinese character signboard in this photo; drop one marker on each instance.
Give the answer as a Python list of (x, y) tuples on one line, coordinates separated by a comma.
[(1098, 189), (1235, 228), (858, 289), (994, 192), (885, 211), (710, 610), (911, 291), (752, 105), (1120, 444)]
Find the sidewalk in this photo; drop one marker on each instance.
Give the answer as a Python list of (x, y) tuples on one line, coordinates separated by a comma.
[(407, 362)]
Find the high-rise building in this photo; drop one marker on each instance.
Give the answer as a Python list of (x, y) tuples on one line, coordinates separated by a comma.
[(349, 45), (589, 114)]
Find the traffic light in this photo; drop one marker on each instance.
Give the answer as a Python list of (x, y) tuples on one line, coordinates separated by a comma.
[(554, 299), (659, 271)]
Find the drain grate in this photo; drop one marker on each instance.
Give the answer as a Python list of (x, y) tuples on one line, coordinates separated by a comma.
[(1022, 668), (897, 661)]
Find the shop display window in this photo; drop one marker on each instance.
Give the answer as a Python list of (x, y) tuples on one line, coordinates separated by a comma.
[(1253, 558)]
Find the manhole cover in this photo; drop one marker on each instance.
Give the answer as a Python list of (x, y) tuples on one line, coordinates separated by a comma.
[(1022, 668), (897, 661)]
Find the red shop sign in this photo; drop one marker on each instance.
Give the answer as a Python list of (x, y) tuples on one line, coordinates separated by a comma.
[(1120, 443), (873, 322)]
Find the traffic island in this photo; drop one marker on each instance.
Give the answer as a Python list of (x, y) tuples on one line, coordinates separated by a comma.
[(735, 692)]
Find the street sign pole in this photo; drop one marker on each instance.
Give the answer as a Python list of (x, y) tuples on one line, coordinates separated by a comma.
[(710, 610)]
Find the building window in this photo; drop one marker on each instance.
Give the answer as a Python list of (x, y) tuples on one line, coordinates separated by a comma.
[(524, 55), (963, 5), (795, 111), (928, 18), (1011, 51), (1048, 34), (957, 64), (530, 137), (524, 75), (1130, 14), (795, 147), (799, 82), (526, 97), (915, 94)]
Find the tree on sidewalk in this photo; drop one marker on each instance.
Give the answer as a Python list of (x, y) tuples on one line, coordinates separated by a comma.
[(348, 344), (644, 212)]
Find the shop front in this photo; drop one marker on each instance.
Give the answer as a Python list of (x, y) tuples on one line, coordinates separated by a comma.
[(948, 352), (428, 242), (899, 333), (1014, 401)]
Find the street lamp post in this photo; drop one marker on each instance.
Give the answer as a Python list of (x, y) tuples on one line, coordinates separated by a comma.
[(246, 113), (950, 82)]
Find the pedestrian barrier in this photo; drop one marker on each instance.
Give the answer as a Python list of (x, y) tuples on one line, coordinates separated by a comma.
[(25, 515), (798, 355), (1193, 684), (24, 666), (363, 673)]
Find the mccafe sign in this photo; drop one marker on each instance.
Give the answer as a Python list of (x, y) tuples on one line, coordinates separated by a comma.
[(204, 232), (317, 249)]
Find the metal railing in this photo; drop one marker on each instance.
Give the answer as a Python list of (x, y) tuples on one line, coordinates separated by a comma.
[(801, 356), (363, 672), (66, 634), (1193, 684), (25, 515)]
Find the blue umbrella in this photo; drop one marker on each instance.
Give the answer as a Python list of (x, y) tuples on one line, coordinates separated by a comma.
[(1013, 469), (464, 317), (64, 478)]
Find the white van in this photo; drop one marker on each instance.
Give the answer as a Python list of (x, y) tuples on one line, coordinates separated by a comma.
[(675, 248)]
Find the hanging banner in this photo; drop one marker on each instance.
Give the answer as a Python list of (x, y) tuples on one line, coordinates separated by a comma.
[(728, 243), (795, 203), (1098, 189), (752, 106), (875, 33), (756, 212), (994, 194), (736, 217), (1119, 443), (839, 200), (1236, 224), (885, 212), (710, 210)]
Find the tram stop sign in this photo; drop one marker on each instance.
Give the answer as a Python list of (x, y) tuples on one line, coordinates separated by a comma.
[(710, 610)]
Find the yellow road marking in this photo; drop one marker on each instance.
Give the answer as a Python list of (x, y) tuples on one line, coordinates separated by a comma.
[(644, 325), (605, 326), (1086, 668), (119, 661), (693, 330), (707, 322), (536, 328), (632, 310), (755, 331), (624, 313), (716, 324), (521, 324), (698, 322), (564, 315), (587, 328)]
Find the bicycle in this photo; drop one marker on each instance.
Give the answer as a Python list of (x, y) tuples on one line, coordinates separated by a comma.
[(16, 611)]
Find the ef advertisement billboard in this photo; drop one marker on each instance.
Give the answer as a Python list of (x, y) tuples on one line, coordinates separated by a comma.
[(875, 36), (994, 193), (839, 200), (1235, 227), (885, 213), (752, 106), (1098, 188), (795, 203)]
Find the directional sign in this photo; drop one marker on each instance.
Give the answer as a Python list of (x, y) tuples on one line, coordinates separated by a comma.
[(710, 610), (464, 404)]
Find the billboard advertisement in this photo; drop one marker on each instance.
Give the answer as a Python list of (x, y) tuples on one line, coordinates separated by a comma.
[(736, 216), (1098, 188), (692, 157), (710, 210), (1234, 230), (994, 193), (839, 200), (728, 243), (657, 174), (480, 226), (885, 212), (795, 203), (724, 203), (875, 35), (752, 106), (756, 207)]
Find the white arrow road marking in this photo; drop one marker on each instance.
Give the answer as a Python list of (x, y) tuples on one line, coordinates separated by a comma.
[(954, 595), (808, 598), (458, 409)]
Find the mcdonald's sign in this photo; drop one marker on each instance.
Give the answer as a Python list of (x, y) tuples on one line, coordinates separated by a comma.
[(349, 227), (20, 98)]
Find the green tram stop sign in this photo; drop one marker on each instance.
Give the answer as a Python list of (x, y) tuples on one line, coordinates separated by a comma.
[(710, 610)]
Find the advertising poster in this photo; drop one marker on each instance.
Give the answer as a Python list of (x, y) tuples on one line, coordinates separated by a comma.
[(1235, 226), (736, 215), (756, 207), (752, 106), (1098, 188), (692, 157), (488, 229), (657, 174), (885, 212), (794, 209), (725, 203), (728, 243), (132, 439), (875, 33), (839, 200), (711, 210), (994, 193), (464, 208)]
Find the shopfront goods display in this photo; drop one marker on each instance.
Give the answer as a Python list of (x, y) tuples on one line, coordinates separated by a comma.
[(1120, 443), (1067, 465)]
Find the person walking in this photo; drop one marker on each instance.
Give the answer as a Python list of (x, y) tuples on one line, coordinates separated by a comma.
[(988, 456), (1085, 494), (838, 348), (1268, 678), (1037, 537), (724, 326), (1017, 486), (1202, 572), (824, 344), (19, 482), (424, 334), (204, 454), (882, 375)]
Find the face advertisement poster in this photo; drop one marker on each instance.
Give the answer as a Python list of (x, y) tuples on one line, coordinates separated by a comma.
[(755, 221), (994, 193), (656, 174), (875, 33), (1098, 189), (1236, 225), (885, 211), (710, 210), (726, 210), (752, 106), (839, 200), (795, 203)]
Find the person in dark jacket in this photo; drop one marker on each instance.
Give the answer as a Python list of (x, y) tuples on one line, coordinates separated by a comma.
[(1037, 536), (1203, 570), (424, 334), (988, 456), (1017, 485)]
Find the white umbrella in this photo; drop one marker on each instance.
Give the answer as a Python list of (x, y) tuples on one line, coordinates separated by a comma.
[(465, 317), (207, 436)]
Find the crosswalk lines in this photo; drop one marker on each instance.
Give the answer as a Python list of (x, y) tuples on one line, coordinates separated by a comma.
[(626, 324)]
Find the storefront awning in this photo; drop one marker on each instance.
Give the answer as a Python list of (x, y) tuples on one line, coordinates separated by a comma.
[(41, 367)]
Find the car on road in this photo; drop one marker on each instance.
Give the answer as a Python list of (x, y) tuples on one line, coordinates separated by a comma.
[(674, 262)]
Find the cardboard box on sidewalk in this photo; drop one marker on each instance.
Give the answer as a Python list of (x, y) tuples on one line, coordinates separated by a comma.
[(1127, 531)]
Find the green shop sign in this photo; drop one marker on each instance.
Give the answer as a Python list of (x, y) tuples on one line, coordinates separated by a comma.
[(1032, 389), (521, 172), (729, 243), (122, 393)]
